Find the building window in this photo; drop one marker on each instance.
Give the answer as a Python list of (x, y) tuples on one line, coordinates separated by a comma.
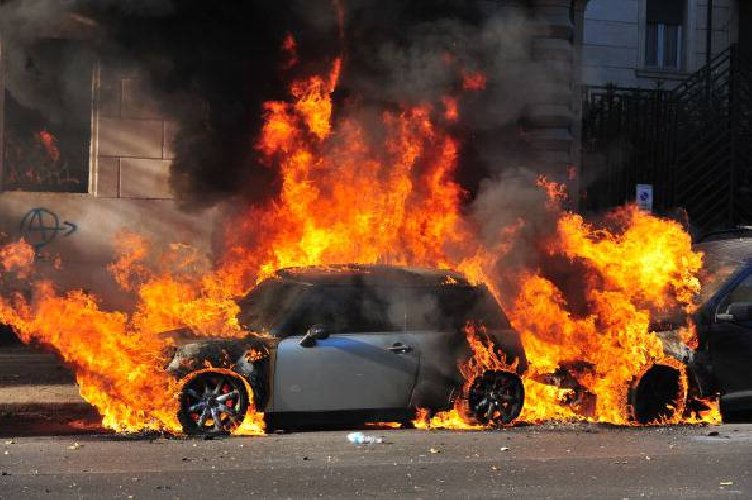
[(47, 118), (664, 31)]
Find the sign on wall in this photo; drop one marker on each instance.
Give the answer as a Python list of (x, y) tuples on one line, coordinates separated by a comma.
[(644, 197)]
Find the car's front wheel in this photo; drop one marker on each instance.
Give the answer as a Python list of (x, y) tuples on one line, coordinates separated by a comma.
[(496, 398), (212, 403)]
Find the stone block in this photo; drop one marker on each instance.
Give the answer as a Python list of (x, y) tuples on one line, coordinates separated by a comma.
[(610, 57), (110, 95), (146, 179), (108, 177), (170, 129), (550, 115), (139, 100), (131, 138), (600, 75), (556, 141), (612, 10), (613, 34)]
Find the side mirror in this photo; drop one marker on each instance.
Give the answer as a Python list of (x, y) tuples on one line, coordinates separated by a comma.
[(736, 312), (314, 333)]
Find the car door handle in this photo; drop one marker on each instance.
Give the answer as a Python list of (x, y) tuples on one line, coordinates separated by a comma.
[(400, 348)]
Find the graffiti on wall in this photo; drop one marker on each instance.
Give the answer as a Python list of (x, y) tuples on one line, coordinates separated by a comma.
[(40, 227)]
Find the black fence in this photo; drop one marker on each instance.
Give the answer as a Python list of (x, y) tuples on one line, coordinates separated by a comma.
[(692, 143)]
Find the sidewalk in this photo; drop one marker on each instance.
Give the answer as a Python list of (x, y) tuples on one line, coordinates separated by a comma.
[(33, 381)]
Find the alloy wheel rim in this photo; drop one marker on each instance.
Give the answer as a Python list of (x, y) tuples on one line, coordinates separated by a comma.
[(213, 402), (497, 398)]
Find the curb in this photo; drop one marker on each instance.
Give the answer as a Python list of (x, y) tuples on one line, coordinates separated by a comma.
[(72, 410)]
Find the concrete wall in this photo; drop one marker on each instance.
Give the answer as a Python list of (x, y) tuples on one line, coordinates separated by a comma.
[(129, 190), (613, 50), (87, 250)]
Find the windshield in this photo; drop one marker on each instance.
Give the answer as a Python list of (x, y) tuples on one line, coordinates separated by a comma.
[(721, 259), (713, 279)]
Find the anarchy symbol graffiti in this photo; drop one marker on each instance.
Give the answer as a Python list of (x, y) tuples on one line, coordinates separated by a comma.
[(40, 226)]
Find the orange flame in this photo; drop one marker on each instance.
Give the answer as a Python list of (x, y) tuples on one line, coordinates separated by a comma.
[(645, 265), (119, 358), (49, 142), (290, 49), (344, 199), (451, 109), (17, 258), (474, 80), (484, 357)]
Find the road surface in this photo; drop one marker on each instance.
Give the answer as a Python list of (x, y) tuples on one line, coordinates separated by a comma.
[(551, 461)]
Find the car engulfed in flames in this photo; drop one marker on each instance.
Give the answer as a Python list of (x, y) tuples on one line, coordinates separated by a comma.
[(358, 344), (355, 343)]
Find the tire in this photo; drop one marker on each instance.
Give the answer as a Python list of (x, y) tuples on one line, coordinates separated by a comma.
[(657, 396), (496, 398), (212, 403)]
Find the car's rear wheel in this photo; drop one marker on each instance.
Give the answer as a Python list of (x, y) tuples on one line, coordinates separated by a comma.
[(212, 403), (496, 398)]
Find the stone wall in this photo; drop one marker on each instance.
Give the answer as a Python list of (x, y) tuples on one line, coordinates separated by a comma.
[(132, 138), (129, 191)]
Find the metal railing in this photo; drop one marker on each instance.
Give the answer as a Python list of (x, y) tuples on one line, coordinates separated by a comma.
[(693, 143)]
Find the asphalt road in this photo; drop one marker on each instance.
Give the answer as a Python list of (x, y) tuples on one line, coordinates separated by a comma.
[(565, 461)]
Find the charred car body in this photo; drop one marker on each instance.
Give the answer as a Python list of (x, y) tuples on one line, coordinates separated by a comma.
[(350, 343)]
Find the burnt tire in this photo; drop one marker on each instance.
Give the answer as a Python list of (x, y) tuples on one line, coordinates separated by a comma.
[(657, 395), (496, 398), (212, 403)]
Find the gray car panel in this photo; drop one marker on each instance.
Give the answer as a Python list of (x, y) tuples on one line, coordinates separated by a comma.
[(345, 372)]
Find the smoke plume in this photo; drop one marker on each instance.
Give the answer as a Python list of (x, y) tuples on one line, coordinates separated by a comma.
[(213, 65)]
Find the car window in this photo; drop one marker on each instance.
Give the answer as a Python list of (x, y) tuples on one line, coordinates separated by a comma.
[(741, 294), (268, 305), (349, 309), (451, 308), (714, 276)]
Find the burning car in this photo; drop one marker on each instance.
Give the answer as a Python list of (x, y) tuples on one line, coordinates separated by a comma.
[(350, 343), (719, 363)]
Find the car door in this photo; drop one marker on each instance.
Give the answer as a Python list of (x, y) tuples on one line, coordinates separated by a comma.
[(365, 363), (729, 341)]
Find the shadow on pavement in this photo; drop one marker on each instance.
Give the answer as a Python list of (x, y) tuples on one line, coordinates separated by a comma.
[(18, 424)]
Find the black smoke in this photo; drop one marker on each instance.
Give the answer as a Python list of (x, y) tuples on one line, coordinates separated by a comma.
[(213, 64)]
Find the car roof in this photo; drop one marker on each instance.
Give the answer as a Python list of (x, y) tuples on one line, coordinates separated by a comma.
[(737, 232), (371, 274)]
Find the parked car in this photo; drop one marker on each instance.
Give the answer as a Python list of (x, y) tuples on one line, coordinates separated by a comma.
[(353, 343), (720, 363)]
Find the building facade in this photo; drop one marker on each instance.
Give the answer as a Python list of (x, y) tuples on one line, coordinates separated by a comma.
[(654, 43), (666, 107), (93, 165)]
